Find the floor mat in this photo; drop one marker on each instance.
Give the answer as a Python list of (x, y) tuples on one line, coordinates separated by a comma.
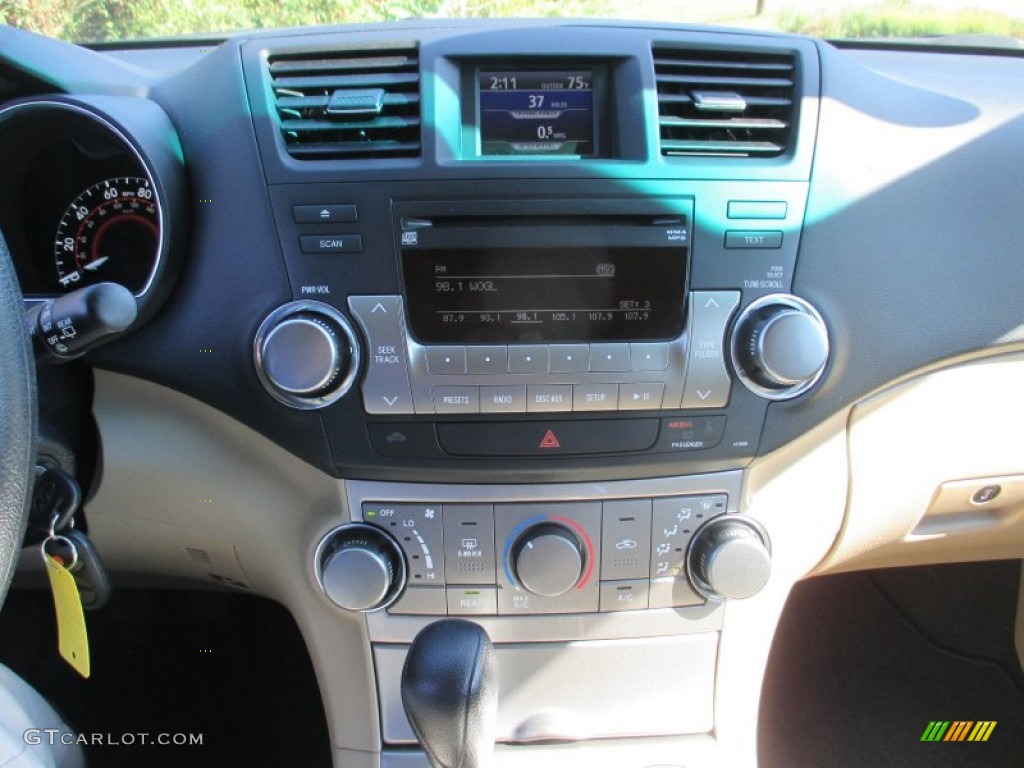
[(863, 662), (231, 668)]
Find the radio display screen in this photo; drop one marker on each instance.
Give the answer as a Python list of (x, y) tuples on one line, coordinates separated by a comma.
[(535, 112), (508, 295)]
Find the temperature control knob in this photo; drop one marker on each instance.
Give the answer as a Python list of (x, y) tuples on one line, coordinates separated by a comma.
[(729, 558), (779, 346), (306, 354), (360, 567), (548, 560)]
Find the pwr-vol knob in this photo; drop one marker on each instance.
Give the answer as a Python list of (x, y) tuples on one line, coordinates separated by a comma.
[(306, 354), (779, 347)]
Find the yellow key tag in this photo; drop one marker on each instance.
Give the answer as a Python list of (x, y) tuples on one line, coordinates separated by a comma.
[(72, 640)]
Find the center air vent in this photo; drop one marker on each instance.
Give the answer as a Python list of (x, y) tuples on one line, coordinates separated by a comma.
[(726, 103), (349, 104)]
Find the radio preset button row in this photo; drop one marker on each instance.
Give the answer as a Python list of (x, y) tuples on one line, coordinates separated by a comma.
[(543, 359)]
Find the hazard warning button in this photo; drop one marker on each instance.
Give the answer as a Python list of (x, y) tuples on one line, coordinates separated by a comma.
[(548, 438)]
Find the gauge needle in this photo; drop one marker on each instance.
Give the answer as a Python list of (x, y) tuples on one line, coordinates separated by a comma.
[(92, 266)]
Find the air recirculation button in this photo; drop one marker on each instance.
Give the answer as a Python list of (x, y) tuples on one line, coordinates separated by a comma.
[(306, 354)]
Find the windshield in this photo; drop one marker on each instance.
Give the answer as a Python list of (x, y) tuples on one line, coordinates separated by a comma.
[(984, 23)]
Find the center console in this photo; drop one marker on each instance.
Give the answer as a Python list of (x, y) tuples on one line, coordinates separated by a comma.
[(542, 354)]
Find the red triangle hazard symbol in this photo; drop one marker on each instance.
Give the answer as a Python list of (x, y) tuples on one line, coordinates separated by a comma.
[(550, 441)]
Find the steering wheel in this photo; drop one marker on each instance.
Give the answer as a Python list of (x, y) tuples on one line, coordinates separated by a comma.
[(17, 419)]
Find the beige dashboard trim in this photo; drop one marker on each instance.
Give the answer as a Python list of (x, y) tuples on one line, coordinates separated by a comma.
[(957, 424)]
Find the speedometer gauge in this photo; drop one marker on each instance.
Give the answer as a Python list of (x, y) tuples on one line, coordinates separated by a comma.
[(109, 233)]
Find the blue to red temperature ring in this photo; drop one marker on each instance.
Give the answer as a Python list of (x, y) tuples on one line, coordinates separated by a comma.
[(588, 545)]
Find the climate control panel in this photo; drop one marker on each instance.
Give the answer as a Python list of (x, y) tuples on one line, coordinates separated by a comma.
[(558, 557)]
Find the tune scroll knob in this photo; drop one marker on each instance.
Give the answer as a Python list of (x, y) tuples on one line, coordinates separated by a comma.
[(306, 354), (360, 568), (779, 346), (729, 558), (548, 560)]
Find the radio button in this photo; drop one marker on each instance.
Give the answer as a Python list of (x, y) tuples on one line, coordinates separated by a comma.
[(640, 397), (648, 357), (609, 358), (457, 399), (528, 359), (595, 397), (503, 399), (570, 358), (486, 359), (545, 398)]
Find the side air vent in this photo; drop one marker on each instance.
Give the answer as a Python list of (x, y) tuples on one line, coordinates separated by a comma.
[(351, 104), (724, 103)]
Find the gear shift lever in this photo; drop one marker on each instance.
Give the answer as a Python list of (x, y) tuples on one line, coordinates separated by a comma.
[(450, 693)]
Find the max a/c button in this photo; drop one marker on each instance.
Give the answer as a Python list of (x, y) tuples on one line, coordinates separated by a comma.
[(331, 243)]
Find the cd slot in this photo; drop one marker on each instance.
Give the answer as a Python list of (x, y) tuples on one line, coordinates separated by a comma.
[(463, 222)]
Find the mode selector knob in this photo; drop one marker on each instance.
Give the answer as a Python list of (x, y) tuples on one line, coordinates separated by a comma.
[(729, 558), (548, 560), (780, 346), (360, 567), (306, 354)]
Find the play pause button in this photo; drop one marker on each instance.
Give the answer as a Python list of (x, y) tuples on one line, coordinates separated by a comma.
[(639, 397)]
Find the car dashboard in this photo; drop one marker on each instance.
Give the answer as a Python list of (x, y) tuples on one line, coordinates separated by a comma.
[(601, 335)]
